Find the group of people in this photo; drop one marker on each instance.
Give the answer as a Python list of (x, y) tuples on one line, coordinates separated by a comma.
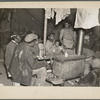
[(24, 59), (65, 44), (22, 63)]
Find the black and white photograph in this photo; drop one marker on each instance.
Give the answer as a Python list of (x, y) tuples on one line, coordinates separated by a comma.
[(50, 47)]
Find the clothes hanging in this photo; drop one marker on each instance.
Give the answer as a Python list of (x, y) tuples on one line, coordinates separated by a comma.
[(87, 18), (49, 13), (61, 13)]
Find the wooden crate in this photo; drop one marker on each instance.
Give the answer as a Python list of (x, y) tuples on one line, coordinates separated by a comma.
[(68, 67)]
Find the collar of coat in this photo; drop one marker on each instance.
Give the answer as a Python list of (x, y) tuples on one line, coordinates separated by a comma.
[(14, 42)]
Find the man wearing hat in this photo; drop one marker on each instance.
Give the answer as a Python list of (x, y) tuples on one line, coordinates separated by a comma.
[(24, 63), (15, 39)]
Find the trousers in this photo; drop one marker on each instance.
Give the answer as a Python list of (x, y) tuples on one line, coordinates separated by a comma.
[(40, 76)]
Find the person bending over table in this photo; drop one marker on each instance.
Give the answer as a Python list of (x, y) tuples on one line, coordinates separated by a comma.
[(25, 64)]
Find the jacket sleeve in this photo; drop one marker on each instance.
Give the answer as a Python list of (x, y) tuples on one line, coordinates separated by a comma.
[(61, 35), (31, 59), (47, 46), (7, 56)]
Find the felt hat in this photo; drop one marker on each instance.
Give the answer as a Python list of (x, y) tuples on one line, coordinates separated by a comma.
[(30, 37), (13, 36)]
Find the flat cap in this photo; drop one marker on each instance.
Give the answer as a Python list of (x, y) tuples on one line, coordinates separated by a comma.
[(30, 37)]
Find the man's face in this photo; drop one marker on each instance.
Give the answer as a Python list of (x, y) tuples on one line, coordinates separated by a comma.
[(57, 43), (32, 44), (66, 25), (52, 37), (18, 39)]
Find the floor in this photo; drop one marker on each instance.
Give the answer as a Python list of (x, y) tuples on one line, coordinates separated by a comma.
[(3, 76), (7, 82), (4, 81)]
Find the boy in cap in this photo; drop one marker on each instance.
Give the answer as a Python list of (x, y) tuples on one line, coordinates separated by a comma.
[(15, 39), (24, 63)]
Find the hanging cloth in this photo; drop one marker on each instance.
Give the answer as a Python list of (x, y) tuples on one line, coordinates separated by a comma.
[(49, 13), (86, 18), (61, 13)]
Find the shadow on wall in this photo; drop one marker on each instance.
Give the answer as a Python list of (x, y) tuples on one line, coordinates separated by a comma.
[(4, 38), (30, 19)]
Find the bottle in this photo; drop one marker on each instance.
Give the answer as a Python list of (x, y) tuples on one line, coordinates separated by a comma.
[(66, 54)]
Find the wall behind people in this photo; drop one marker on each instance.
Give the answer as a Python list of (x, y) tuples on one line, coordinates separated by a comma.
[(33, 19), (30, 19), (5, 23)]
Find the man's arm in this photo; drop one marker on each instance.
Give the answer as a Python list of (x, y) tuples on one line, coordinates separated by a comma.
[(31, 59), (7, 57), (61, 36)]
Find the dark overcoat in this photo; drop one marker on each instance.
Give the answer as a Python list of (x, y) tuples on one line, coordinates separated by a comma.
[(22, 64)]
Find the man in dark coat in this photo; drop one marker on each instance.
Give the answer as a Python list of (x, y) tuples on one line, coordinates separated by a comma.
[(24, 63), (10, 47)]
